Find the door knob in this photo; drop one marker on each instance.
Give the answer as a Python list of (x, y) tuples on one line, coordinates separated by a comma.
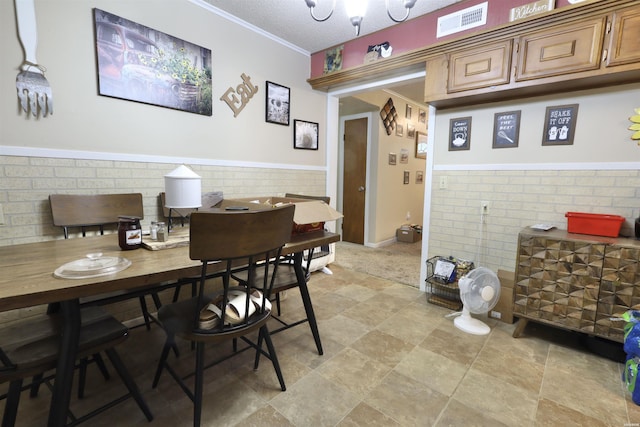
[(361, 188)]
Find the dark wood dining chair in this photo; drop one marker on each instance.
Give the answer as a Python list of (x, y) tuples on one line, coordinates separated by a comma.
[(287, 277), (101, 211), (223, 241), (30, 347)]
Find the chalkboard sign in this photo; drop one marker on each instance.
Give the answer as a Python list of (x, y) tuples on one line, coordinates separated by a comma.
[(506, 129), (560, 125), (460, 134)]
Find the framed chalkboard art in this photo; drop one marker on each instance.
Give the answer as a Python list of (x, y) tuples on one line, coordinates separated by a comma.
[(460, 134), (560, 125), (506, 129)]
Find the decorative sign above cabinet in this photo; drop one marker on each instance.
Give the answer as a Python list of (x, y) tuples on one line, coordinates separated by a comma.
[(530, 9)]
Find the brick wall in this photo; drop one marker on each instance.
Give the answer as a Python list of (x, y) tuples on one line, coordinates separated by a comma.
[(518, 198), (26, 182)]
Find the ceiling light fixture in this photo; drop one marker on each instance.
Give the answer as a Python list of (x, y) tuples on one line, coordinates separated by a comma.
[(356, 10)]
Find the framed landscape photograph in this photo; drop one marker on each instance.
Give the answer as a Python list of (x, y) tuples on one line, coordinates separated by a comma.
[(392, 158), (142, 64), (305, 135), (277, 104)]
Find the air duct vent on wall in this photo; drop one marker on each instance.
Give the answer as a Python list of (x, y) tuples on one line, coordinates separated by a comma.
[(465, 19)]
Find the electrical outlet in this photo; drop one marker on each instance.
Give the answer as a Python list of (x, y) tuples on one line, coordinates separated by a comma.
[(443, 182), (484, 207)]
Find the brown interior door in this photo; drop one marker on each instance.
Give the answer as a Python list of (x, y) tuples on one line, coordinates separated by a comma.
[(354, 186)]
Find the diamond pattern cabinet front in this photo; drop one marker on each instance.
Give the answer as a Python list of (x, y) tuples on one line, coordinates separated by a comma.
[(558, 279), (619, 290)]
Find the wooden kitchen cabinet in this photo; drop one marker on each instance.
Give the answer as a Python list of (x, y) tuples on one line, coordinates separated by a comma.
[(480, 67), (561, 50), (624, 39), (576, 282)]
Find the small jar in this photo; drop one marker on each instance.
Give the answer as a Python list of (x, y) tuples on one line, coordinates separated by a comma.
[(162, 232), (129, 233), (153, 230)]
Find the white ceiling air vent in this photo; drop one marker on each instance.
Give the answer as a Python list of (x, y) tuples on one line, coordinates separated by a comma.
[(461, 20)]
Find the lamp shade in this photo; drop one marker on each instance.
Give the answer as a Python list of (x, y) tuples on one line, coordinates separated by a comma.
[(182, 188)]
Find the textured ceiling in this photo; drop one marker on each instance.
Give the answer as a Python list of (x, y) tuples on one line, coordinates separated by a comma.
[(290, 20)]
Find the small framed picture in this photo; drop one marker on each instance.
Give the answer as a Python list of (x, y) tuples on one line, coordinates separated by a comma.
[(399, 130), (421, 145), (411, 131), (277, 107), (419, 177), (506, 129), (392, 158), (407, 112), (560, 125), (305, 135), (460, 134), (404, 156), (406, 177), (422, 116)]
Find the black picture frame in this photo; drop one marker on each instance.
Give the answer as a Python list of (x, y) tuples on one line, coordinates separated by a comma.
[(166, 71), (460, 134), (506, 129), (305, 135), (560, 124), (277, 104)]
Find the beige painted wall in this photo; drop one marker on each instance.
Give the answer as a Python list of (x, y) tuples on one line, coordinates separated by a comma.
[(391, 200), (531, 184), (83, 120), (96, 144)]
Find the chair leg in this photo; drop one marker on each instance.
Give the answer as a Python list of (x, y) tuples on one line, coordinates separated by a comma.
[(82, 376), (264, 332), (163, 359), (103, 368), (145, 312), (128, 382), (35, 385), (199, 380), (11, 405), (156, 300)]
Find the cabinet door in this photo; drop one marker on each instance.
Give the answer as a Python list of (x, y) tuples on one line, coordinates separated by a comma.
[(619, 290), (480, 67), (562, 50), (624, 42), (557, 281)]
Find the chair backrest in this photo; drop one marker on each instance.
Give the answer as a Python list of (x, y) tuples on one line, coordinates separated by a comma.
[(226, 235), (325, 199), (240, 239), (87, 210)]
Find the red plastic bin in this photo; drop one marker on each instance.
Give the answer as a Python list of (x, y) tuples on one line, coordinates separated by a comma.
[(594, 224)]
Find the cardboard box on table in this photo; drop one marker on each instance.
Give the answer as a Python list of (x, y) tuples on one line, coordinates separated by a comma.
[(310, 215), (504, 309)]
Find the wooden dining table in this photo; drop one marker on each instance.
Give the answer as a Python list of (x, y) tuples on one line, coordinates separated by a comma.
[(27, 280)]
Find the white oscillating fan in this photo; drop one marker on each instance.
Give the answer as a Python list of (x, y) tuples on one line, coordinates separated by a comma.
[(479, 292)]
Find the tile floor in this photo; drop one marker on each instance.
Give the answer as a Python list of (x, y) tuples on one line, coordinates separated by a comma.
[(390, 359)]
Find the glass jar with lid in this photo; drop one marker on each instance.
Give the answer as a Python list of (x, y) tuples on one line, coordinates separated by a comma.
[(129, 232)]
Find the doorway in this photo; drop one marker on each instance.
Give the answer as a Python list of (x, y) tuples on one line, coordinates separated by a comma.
[(354, 183)]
